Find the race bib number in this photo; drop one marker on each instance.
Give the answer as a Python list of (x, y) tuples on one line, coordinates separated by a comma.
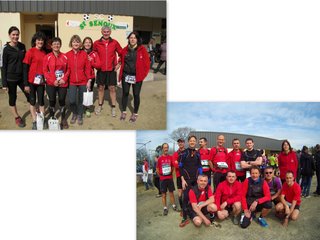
[(166, 169), (59, 74), (130, 79), (38, 79), (238, 166), (204, 162)]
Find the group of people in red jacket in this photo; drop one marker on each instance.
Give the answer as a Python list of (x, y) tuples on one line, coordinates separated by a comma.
[(35, 71), (242, 186)]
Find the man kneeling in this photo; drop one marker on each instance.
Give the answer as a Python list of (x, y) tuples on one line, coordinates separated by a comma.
[(228, 197), (290, 200), (201, 202)]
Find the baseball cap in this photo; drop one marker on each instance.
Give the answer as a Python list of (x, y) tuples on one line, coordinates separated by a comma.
[(180, 140)]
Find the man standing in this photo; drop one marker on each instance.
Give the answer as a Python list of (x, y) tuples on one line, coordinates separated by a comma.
[(106, 47), (234, 160), (204, 156), (228, 197), (218, 157), (145, 176), (250, 157)]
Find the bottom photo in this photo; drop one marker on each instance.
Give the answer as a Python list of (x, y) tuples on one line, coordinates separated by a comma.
[(230, 170)]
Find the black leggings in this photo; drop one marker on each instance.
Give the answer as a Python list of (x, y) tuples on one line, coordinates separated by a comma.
[(52, 93), (136, 95), (36, 91), (12, 91)]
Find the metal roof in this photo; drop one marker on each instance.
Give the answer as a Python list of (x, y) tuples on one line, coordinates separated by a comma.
[(259, 142), (155, 9)]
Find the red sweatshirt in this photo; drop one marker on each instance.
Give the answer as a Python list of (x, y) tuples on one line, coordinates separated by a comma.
[(233, 160), (165, 166), (175, 158), (142, 63), (34, 58), (54, 67), (291, 193), (266, 193), (287, 162), (94, 63), (227, 192), (80, 68), (107, 50), (205, 158), (218, 156)]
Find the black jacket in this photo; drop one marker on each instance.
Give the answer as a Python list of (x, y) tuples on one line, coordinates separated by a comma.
[(12, 67), (307, 164)]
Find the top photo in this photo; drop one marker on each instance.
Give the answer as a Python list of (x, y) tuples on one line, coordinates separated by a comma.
[(76, 65)]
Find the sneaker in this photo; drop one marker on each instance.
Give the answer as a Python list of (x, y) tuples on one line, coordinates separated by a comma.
[(34, 125), (73, 119), (165, 211), (98, 110), (123, 116), (158, 195), (113, 112), (80, 120), (174, 207), (262, 222), (212, 217), (133, 118), (184, 222), (235, 220), (88, 113), (64, 124), (20, 122), (307, 196)]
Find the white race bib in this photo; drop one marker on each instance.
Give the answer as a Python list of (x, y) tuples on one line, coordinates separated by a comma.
[(38, 79), (59, 74), (204, 162), (238, 166), (166, 169), (130, 79)]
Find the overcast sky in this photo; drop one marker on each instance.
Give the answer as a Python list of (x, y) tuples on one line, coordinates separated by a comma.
[(297, 122)]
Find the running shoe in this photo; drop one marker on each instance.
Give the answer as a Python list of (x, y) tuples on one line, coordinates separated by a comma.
[(20, 122), (64, 124), (113, 112), (235, 220), (123, 116), (184, 222), (262, 222), (133, 118), (98, 110), (73, 119), (307, 196), (165, 211), (158, 195), (80, 120), (88, 113), (174, 207), (34, 125)]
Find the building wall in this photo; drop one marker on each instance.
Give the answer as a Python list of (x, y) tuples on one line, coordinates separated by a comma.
[(149, 24), (68, 25), (8, 20)]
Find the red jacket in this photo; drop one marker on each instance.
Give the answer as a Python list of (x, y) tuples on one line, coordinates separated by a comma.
[(94, 63), (287, 162), (265, 189), (80, 68), (218, 156), (226, 192), (233, 160), (34, 58), (51, 64), (107, 50), (142, 63)]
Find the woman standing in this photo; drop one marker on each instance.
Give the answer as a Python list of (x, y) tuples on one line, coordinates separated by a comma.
[(135, 65), (80, 81), (95, 63), (151, 46), (307, 170), (287, 161), (33, 74), (12, 71), (56, 73)]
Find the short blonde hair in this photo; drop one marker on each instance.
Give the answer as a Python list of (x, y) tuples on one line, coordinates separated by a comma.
[(75, 38)]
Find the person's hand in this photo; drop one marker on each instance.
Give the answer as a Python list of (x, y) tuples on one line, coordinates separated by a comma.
[(207, 222), (5, 89), (56, 83), (117, 67), (247, 213), (223, 205), (89, 84), (287, 210), (184, 184), (253, 206), (285, 222), (89, 58), (27, 89), (61, 82)]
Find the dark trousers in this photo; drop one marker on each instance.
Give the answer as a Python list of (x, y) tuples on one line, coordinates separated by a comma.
[(185, 202), (136, 95), (36, 93), (76, 93), (318, 179), (156, 182), (159, 65), (12, 91), (52, 93), (218, 178)]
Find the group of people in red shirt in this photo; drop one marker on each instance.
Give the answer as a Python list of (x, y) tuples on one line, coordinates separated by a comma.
[(240, 184), (73, 73)]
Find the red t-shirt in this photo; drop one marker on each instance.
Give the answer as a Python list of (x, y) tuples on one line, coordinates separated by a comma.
[(218, 154), (234, 159), (165, 166), (292, 193), (287, 162), (205, 158), (202, 198), (34, 58)]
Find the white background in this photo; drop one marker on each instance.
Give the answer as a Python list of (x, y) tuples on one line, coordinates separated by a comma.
[(81, 185)]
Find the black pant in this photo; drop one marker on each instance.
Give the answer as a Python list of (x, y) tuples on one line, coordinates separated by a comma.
[(52, 93), (318, 179), (12, 91), (185, 202), (218, 178), (136, 95), (156, 182), (160, 64), (36, 91)]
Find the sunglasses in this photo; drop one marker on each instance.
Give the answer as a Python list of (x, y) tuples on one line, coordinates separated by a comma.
[(268, 172)]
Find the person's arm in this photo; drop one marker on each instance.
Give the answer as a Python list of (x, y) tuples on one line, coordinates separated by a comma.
[(217, 197), (96, 63), (257, 162), (277, 194), (4, 68), (46, 71), (244, 204), (245, 165), (119, 52)]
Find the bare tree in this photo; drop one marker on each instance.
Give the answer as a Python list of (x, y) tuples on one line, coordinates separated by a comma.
[(181, 133)]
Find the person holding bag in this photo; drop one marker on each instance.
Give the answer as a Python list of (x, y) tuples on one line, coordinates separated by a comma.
[(80, 81), (56, 73), (33, 75), (134, 69)]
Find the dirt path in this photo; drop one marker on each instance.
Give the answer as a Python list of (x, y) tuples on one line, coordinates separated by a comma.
[(152, 225), (152, 112)]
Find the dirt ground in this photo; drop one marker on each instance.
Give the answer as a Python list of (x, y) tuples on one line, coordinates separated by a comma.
[(152, 111), (151, 224)]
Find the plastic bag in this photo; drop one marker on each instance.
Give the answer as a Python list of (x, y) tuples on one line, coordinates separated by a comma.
[(87, 98), (53, 124), (40, 120)]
